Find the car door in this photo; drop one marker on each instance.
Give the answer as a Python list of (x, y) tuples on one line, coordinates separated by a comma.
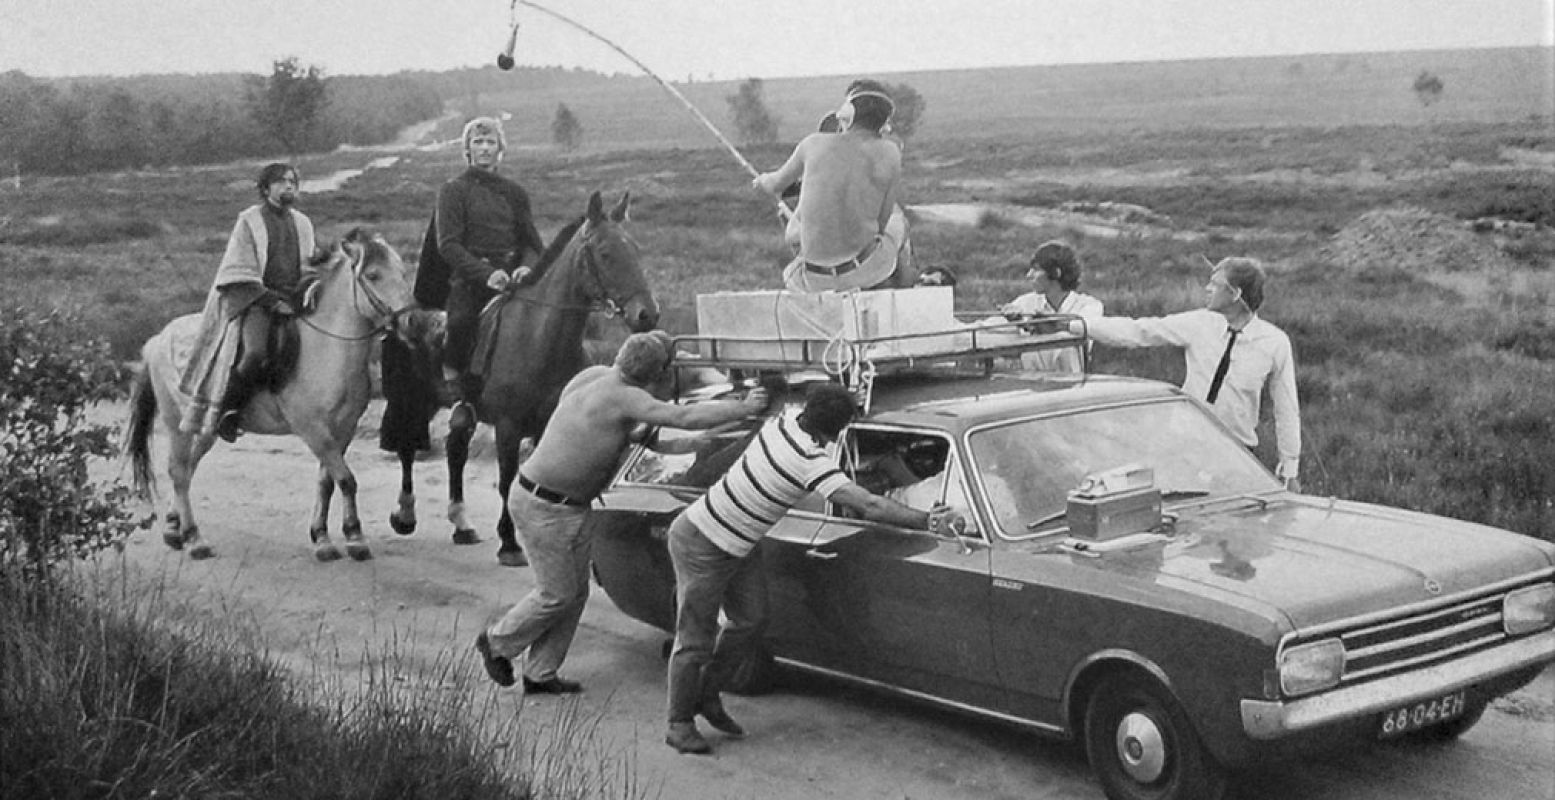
[(900, 606)]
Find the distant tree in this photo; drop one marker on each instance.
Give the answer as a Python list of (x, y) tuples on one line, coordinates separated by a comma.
[(1428, 87), (753, 123), (909, 109), (289, 105), (117, 135), (566, 130)]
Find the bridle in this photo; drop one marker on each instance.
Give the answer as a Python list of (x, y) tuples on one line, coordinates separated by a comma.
[(600, 300), (359, 290)]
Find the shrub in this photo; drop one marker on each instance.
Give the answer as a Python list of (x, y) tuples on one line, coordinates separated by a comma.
[(49, 506)]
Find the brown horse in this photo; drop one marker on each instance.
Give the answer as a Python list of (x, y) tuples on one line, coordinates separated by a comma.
[(592, 265), (361, 293)]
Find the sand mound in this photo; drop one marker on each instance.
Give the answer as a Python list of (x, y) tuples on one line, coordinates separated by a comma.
[(1414, 240)]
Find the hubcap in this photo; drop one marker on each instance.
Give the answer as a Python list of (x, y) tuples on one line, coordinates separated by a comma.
[(1141, 748)]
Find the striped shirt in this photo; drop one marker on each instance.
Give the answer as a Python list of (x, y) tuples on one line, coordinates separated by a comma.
[(780, 467)]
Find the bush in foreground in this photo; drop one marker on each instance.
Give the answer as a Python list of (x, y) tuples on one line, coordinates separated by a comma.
[(50, 509)]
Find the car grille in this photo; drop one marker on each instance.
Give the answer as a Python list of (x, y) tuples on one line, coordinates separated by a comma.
[(1384, 647)]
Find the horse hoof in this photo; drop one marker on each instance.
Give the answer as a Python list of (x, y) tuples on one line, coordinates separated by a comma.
[(200, 552), (326, 552), (403, 527), (356, 546), (174, 540), (466, 536), (512, 558)]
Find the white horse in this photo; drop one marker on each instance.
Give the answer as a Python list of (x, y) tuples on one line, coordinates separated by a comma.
[(361, 292)]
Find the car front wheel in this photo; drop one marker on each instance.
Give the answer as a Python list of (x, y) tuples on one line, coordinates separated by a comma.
[(1141, 746)]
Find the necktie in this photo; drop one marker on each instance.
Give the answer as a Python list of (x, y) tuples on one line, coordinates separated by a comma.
[(1220, 369)]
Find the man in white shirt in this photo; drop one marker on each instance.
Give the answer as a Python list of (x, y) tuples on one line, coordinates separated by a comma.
[(1231, 355), (1055, 279)]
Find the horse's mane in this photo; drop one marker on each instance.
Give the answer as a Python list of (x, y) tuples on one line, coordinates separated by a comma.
[(554, 250)]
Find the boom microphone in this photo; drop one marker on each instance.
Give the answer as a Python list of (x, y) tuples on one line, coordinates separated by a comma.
[(505, 58)]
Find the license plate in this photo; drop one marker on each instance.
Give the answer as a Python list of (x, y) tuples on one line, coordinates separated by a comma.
[(1423, 714)]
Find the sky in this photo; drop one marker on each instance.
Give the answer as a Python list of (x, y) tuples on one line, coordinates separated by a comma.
[(729, 39)]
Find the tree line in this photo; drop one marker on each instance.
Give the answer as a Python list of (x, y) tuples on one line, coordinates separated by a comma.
[(81, 125), (72, 126)]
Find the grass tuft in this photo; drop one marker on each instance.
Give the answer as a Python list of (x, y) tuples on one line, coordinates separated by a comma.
[(114, 690)]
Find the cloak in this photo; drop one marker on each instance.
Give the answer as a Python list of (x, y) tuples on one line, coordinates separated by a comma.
[(239, 281)]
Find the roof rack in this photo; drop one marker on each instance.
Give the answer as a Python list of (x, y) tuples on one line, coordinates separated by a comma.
[(978, 341)]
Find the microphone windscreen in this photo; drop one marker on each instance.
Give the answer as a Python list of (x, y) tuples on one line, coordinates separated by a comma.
[(505, 58)]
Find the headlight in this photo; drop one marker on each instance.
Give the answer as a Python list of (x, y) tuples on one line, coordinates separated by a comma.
[(1309, 667), (1528, 610)]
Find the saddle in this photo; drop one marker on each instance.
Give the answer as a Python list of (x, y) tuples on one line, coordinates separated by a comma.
[(281, 351)]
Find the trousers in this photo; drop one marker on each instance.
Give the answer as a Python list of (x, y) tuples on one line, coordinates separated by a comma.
[(545, 620), (708, 579)]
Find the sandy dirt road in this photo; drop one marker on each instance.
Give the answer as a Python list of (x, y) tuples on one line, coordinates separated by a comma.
[(808, 740)]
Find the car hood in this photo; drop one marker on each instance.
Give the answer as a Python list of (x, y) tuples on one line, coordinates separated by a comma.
[(1315, 560)]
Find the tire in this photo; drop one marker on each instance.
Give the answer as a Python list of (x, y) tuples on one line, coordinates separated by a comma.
[(755, 675), (1449, 731), (1142, 747)]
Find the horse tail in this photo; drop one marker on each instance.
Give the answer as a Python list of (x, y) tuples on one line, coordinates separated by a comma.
[(143, 414)]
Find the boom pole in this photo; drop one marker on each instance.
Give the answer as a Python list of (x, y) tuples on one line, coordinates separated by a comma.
[(783, 209)]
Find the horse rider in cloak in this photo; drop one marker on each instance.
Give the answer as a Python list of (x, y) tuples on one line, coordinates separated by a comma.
[(266, 275)]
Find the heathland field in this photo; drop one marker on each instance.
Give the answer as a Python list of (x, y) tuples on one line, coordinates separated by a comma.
[(1426, 348)]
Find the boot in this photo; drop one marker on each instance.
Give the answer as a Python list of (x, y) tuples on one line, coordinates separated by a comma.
[(685, 738), (712, 709), (241, 388)]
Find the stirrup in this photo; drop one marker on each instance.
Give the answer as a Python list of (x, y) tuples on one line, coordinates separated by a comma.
[(462, 418), (227, 426)]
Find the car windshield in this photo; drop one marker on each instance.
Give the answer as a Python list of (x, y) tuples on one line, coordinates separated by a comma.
[(1028, 468)]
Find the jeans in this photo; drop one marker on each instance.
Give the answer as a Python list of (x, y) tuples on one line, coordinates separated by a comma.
[(545, 620), (707, 578)]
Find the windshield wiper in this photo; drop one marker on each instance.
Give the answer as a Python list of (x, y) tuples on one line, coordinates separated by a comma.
[(1057, 516)]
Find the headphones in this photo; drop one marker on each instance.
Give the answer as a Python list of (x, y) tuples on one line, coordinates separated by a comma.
[(846, 110)]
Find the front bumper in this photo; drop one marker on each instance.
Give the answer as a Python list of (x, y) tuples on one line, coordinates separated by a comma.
[(1273, 719)]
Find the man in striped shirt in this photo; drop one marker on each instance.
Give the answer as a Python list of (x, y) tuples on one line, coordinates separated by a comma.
[(711, 543)]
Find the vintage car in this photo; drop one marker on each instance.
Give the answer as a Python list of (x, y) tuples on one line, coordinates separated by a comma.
[(1130, 576)]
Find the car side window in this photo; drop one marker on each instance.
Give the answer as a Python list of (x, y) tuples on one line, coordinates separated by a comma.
[(911, 468)]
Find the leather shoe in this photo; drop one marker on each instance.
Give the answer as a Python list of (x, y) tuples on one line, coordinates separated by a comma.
[(500, 669), (713, 711), (552, 686), (683, 736)]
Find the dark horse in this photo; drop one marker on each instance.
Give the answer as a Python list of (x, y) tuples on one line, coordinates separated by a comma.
[(537, 346)]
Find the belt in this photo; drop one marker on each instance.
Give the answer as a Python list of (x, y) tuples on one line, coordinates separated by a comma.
[(837, 269), (846, 266), (549, 495)]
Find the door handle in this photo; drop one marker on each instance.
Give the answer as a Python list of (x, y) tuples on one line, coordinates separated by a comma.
[(818, 553)]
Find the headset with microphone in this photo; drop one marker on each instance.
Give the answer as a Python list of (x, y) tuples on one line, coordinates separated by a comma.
[(846, 111)]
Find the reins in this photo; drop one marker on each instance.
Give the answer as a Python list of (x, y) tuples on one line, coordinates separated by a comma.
[(603, 302), (380, 308)]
